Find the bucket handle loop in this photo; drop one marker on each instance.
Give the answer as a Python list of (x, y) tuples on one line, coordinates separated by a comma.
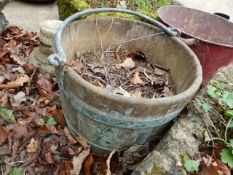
[(60, 59)]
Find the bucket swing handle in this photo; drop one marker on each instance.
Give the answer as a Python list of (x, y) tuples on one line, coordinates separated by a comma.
[(59, 59)]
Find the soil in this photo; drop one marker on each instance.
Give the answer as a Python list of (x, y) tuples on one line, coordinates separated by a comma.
[(125, 72)]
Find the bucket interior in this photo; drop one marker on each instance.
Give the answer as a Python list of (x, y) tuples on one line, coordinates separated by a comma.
[(82, 36), (201, 25)]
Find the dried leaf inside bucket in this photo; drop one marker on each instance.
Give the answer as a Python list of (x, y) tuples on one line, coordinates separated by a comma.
[(127, 64), (136, 78)]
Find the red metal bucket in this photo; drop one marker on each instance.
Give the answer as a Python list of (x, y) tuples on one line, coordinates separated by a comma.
[(213, 36)]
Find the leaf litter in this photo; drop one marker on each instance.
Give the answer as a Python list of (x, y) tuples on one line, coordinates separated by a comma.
[(34, 138), (128, 73)]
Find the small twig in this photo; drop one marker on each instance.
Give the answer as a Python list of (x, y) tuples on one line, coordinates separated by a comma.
[(13, 163), (101, 45), (135, 39), (30, 80), (94, 77), (105, 35)]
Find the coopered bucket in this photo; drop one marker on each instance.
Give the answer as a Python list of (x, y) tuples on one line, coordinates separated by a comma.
[(109, 121), (212, 36)]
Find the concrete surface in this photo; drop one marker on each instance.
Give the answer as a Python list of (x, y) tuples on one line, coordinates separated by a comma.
[(211, 6), (28, 15)]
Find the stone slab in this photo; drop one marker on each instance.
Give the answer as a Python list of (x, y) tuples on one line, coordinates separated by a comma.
[(29, 15)]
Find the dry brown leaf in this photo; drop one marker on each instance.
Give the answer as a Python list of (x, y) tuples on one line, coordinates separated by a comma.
[(76, 64), (136, 79), (32, 146), (17, 59), (45, 82), (97, 83), (78, 161), (65, 167), (127, 64), (68, 135), (30, 68), (3, 135), (3, 53), (216, 168), (58, 116), (49, 158), (87, 164), (21, 79), (4, 100)]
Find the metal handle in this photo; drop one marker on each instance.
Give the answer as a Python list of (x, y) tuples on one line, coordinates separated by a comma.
[(59, 58)]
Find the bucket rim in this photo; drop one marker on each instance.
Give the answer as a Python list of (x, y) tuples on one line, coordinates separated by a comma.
[(191, 35), (188, 93)]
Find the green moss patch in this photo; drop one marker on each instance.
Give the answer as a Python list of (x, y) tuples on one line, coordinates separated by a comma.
[(147, 7)]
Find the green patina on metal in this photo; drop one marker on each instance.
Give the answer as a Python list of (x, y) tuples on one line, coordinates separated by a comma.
[(116, 119)]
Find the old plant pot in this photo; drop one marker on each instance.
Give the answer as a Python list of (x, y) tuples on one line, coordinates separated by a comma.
[(213, 36), (109, 121)]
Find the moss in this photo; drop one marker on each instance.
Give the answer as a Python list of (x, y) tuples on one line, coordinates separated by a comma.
[(69, 7), (156, 170)]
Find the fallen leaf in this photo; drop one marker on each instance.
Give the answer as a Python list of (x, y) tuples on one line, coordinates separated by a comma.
[(65, 167), (127, 64), (17, 59), (3, 135), (97, 83), (136, 79), (3, 53), (45, 83), (15, 148), (49, 158), (216, 168), (68, 135), (21, 79), (7, 115), (32, 146), (76, 64), (18, 98), (2, 78), (30, 68), (109, 162), (58, 115), (78, 161), (87, 164), (4, 100)]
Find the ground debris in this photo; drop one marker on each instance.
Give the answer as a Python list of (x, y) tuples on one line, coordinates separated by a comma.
[(127, 73)]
